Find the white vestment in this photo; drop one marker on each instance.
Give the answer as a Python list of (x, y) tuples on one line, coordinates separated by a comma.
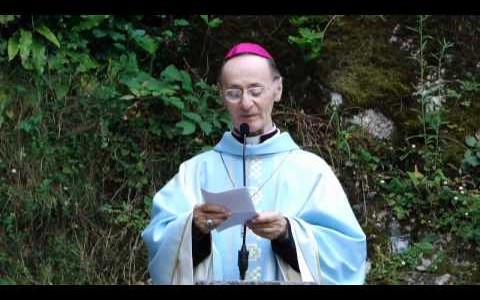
[(330, 244)]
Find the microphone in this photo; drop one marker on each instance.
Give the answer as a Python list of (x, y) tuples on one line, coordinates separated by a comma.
[(244, 131), (243, 252)]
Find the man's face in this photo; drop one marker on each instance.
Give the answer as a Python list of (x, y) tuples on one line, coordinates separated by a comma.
[(248, 89)]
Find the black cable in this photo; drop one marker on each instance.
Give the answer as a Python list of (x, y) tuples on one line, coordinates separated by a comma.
[(243, 252)]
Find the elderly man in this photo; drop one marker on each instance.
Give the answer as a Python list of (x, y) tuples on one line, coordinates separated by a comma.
[(304, 230)]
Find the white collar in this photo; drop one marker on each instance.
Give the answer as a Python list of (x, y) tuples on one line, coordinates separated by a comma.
[(255, 140)]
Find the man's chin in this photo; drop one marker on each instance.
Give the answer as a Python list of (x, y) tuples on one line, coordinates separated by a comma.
[(253, 130)]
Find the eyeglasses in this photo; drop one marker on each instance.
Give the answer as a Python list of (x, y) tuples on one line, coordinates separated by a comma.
[(236, 94)]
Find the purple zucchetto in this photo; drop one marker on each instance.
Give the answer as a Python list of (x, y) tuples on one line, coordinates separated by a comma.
[(247, 48)]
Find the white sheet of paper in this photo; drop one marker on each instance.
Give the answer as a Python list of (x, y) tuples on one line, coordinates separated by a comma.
[(238, 201)]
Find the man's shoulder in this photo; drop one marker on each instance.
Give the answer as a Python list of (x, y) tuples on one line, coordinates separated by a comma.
[(309, 162), (309, 157), (201, 157)]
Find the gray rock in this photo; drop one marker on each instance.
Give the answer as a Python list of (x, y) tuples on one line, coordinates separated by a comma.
[(425, 264), (443, 279), (375, 123)]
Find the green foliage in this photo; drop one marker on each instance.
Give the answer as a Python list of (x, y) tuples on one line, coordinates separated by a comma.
[(470, 85), (31, 50), (390, 268), (308, 40), (413, 178), (196, 104), (96, 114), (311, 33), (428, 192), (471, 157), (213, 23), (48, 34), (5, 19)]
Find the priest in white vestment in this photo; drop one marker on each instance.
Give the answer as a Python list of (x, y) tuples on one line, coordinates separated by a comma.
[(305, 229)]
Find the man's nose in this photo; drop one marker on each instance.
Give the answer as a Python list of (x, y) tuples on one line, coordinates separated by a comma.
[(247, 101)]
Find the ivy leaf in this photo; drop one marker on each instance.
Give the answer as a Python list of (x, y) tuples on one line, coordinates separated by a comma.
[(61, 90), (215, 23), (181, 22), (470, 141), (186, 81), (195, 100), (310, 35), (25, 45), (186, 126), (193, 116), (12, 47), (5, 19), (90, 22), (204, 18), (206, 127), (48, 34), (85, 63), (38, 56), (98, 33), (171, 73), (175, 101), (163, 91), (147, 43), (470, 159)]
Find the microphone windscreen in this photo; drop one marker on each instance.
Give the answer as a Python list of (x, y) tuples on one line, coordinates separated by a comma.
[(244, 129)]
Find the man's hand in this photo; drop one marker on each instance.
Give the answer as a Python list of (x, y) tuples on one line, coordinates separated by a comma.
[(270, 225), (203, 213)]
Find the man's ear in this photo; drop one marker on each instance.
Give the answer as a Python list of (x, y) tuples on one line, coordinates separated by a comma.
[(278, 90)]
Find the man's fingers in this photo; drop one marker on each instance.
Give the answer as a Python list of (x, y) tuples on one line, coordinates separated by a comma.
[(260, 221), (209, 208), (265, 232), (265, 218)]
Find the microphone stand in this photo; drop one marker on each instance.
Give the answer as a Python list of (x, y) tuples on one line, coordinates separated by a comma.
[(243, 252)]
